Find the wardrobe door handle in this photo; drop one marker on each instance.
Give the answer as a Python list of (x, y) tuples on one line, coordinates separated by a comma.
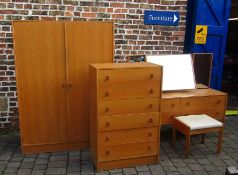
[(107, 78), (151, 76), (149, 134), (63, 85), (69, 85)]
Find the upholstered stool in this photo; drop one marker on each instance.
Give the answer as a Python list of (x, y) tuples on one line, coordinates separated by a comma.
[(197, 124)]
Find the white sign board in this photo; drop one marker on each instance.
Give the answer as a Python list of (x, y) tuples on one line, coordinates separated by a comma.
[(178, 71)]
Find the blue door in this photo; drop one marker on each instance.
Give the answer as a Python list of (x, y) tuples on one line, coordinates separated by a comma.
[(214, 14)]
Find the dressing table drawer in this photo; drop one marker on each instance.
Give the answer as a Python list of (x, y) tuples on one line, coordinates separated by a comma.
[(170, 104), (202, 102)]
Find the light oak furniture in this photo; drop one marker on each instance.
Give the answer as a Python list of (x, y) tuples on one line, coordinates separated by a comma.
[(192, 102), (52, 61), (197, 124), (124, 114)]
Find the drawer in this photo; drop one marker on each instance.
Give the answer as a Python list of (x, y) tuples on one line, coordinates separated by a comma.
[(172, 104), (128, 106), (127, 151), (128, 136), (129, 91), (202, 102), (217, 113), (125, 76), (128, 121), (167, 117)]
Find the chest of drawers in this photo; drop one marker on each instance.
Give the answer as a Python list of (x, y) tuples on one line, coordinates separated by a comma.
[(197, 101), (124, 114)]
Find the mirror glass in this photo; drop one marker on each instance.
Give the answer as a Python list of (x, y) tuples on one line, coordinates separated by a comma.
[(178, 71)]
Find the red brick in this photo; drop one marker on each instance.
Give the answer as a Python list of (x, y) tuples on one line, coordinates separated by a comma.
[(109, 10), (102, 10), (27, 6), (154, 1), (7, 11), (70, 8), (90, 15), (114, 5), (129, 5), (19, 0), (68, 14), (118, 16), (3, 45), (178, 33), (19, 6)]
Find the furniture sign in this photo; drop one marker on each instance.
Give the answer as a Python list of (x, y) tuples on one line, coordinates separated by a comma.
[(165, 18)]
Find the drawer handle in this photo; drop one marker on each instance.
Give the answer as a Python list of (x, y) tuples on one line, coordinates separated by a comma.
[(70, 85), (217, 113), (150, 120), (107, 109), (107, 153), (107, 94), (107, 124), (148, 148), (187, 104), (151, 76), (151, 91), (150, 106), (107, 78), (107, 138), (149, 134), (218, 102), (63, 85), (172, 105)]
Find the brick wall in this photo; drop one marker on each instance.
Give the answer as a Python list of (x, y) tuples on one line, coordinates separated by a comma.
[(131, 35)]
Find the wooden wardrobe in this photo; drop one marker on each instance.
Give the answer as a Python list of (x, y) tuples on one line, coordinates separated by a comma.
[(52, 61)]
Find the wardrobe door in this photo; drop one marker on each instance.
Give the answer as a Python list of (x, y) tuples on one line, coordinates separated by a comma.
[(86, 43), (41, 75)]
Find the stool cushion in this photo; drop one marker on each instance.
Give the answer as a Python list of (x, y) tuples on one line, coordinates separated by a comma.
[(202, 121)]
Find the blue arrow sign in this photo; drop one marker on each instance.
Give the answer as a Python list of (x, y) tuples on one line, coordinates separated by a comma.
[(165, 18)]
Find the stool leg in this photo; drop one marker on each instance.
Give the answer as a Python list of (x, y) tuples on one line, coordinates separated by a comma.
[(203, 138), (173, 137), (187, 145), (219, 140)]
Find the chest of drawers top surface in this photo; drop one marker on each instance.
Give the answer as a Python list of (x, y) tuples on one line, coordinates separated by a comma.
[(111, 66)]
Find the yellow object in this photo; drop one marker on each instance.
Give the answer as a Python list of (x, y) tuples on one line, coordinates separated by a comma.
[(201, 34), (232, 112)]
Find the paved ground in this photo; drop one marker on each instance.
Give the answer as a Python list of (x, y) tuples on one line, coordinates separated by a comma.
[(202, 160)]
